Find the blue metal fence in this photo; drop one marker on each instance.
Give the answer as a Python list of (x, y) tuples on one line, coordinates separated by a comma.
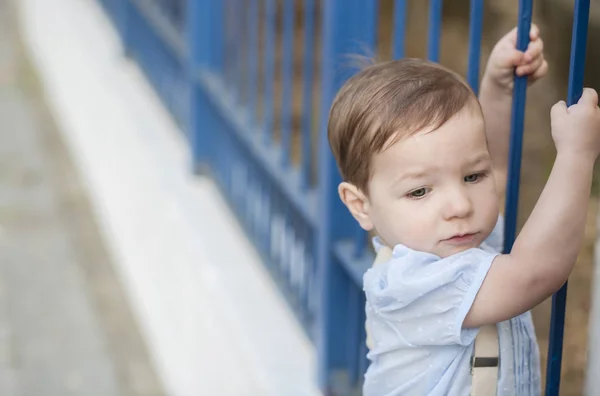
[(254, 106), (575, 89)]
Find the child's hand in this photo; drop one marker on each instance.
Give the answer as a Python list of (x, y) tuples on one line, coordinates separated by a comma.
[(505, 58), (576, 130)]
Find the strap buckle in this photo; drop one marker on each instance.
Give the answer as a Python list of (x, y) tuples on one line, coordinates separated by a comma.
[(482, 361)]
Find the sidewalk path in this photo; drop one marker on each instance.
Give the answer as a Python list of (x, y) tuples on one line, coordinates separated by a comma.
[(65, 326), (213, 319)]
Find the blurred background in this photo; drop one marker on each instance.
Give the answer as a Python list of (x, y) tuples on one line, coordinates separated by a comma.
[(163, 184)]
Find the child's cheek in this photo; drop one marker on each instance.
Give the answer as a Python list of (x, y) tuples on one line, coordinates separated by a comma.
[(420, 234)]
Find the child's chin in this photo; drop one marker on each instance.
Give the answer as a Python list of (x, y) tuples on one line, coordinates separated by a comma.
[(452, 250)]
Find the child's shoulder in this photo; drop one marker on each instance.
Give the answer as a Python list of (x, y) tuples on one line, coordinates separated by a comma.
[(406, 288), (413, 274)]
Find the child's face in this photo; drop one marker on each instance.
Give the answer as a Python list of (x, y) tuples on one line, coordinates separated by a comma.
[(435, 192)]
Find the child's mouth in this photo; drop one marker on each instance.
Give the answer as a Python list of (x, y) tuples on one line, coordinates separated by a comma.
[(461, 239)]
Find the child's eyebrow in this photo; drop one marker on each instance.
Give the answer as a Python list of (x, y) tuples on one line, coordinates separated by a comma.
[(414, 174), (483, 157)]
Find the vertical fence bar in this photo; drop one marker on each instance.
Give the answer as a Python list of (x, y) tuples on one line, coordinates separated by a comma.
[(218, 140), (269, 70), (435, 30), (215, 46), (122, 21), (228, 47), (360, 239), (371, 19), (239, 40), (307, 91), (354, 333), (199, 27), (287, 67), (342, 27), (516, 134), (252, 51), (399, 41), (475, 33), (125, 10), (559, 299), (369, 35)]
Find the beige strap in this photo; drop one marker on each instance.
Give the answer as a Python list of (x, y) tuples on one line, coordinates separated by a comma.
[(485, 361), (383, 255)]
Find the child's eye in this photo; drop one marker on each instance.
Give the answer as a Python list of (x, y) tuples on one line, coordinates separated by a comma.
[(418, 193), (471, 178), (474, 177)]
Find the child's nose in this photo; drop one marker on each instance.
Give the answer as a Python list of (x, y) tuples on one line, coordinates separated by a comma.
[(459, 204)]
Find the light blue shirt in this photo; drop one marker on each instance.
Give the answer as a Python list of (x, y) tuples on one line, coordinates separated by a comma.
[(416, 304)]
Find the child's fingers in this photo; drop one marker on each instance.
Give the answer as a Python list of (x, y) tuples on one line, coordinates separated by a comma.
[(530, 68), (590, 96), (534, 33), (540, 71), (513, 57), (534, 50), (558, 109), (512, 36)]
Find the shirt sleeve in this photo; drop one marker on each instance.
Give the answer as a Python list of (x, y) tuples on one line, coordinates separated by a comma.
[(419, 299)]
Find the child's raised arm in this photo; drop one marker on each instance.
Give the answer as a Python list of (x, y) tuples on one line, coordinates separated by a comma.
[(496, 93), (545, 251)]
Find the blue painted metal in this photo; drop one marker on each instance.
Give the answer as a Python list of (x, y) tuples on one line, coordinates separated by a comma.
[(202, 55), (253, 18), (235, 26), (217, 37), (307, 92), (269, 70), (161, 50), (475, 33), (287, 75), (241, 47), (435, 29), (344, 32), (228, 63), (354, 332), (559, 299), (399, 42), (368, 40), (162, 27), (278, 213), (516, 134), (360, 238), (200, 28), (369, 23), (117, 11)]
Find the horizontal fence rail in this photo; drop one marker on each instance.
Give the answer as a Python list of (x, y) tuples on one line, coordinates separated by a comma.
[(251, 82)]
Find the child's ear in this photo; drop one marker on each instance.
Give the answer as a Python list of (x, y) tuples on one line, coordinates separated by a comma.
[(357, 203)]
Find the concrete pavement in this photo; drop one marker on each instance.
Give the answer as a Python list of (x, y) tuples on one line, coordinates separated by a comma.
[(65, 325)]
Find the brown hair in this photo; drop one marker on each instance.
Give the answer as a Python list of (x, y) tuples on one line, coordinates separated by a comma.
[(387, 101)]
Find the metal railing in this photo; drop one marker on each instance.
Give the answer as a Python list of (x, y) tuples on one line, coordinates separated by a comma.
[(254, 103)]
